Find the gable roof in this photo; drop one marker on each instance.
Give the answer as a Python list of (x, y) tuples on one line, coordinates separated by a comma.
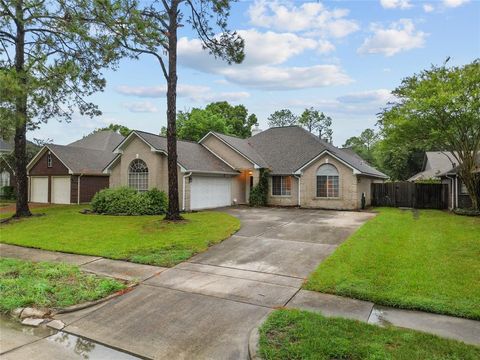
[(435, 164), (105, 140), (286, 150), (89, 155), (454, 170), (190, 155)]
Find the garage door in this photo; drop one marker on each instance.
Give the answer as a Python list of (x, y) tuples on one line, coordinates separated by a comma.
[(210, 192), (61, 189), (39, 189)]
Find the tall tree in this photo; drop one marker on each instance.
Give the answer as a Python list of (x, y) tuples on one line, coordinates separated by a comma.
[(364, 144), (151, 28), (281, 118), (317, 122), (197, 123), (237, 119), (121, 129), (51, 57), (440, 107)]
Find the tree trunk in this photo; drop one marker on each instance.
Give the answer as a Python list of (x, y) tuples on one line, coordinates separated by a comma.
[(21, 119), (173, 212)]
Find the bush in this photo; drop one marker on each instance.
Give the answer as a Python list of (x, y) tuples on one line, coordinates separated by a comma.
[(467, 212), (127, 201), (259, 193), (7, 193)]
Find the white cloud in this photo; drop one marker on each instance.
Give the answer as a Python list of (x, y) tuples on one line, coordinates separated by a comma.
[(428, 8), (393, 4), (264, 53), (310, 16), (454, 3), (141, 107), (194, 93), (379, 96), (399, 36)]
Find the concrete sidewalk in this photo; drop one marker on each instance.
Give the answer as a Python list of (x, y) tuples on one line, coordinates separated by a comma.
[(205, 308)]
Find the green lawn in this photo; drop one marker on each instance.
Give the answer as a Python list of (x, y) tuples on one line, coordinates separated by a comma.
[(294, 334), (427, 262), (49, 285), (141, 239)]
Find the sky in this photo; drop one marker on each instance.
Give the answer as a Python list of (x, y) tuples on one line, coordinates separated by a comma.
[(340, 57)]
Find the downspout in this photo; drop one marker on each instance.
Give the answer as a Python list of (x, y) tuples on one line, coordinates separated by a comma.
[(78, 188), (183, 189), (298, 177), (452, 190), (456, 191)]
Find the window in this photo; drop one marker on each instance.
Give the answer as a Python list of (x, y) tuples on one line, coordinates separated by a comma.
[(49, 160), (463, 188), (4, 179), (138, 175), (327, 181), (281, 185)]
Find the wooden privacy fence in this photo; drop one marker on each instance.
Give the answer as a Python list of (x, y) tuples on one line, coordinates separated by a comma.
[(408, 194)]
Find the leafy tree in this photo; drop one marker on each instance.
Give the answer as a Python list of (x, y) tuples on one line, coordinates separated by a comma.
[(51, 58), (197, 123), (364, 145), (150, 28), (316, 122), (218, 116), (237, 120), (440, 108), (121, 129), (281, 118)]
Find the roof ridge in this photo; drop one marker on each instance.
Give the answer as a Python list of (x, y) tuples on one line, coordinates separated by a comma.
[(164, 137)]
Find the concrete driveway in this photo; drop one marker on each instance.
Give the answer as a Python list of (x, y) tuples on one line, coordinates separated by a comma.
[(205, 308)]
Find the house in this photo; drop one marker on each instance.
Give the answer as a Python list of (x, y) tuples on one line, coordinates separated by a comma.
[(7, 175), (443, 166), (220, 169), (73, 173)]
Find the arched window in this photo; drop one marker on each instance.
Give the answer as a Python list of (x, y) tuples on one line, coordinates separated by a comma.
[(138, 175), (327, 181)]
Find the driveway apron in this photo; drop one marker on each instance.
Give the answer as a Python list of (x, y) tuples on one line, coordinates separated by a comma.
[(205, 308)]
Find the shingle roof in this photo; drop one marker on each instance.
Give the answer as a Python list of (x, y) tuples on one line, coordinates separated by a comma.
[(284, 150), (80, 160), (105, 140), (5, 145), (436, 163), (191, 155), (454, 170)]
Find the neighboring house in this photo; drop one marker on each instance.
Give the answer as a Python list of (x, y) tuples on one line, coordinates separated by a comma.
[(442, 166), (220, 170), (72, 174), (7, 175)]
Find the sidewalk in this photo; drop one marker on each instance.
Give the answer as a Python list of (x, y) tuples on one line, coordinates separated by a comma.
[(460, 329)]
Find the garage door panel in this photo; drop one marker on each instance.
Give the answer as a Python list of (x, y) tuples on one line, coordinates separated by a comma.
[(61, 189), (39, 189), (210, 192)]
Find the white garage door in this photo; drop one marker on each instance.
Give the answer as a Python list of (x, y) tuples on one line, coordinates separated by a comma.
[(210, 192), (39, 189), (61, 189)]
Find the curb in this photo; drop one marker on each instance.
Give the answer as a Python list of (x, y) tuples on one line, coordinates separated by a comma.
[(253, 338)]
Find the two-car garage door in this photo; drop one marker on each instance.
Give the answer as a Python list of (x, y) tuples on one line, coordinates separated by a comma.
[(210, 192), (60, 192)]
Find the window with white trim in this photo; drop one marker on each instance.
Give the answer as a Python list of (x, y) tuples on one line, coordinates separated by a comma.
[(138, 175), (327, 181), (4, 179), (281, 185), (49, 160), (463, 188)]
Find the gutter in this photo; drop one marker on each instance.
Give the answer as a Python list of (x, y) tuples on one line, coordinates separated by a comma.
[(78, 188), (183, 189)]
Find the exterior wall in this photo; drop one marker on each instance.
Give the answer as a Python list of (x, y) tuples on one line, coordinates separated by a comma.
[(40, 168), (464, 201), (115, 179), (348, 193), (364, 184), (89, 186), (73, 189), (284, 200), (239, 184), (226, 153)]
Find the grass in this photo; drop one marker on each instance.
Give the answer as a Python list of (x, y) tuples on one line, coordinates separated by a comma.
[(141, 239), (294, 334), (426, 262), (49, 285)]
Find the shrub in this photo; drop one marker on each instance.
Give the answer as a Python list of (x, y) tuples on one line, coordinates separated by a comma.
[(259, 193), (467, 212), (127, 201), (7, 193)]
